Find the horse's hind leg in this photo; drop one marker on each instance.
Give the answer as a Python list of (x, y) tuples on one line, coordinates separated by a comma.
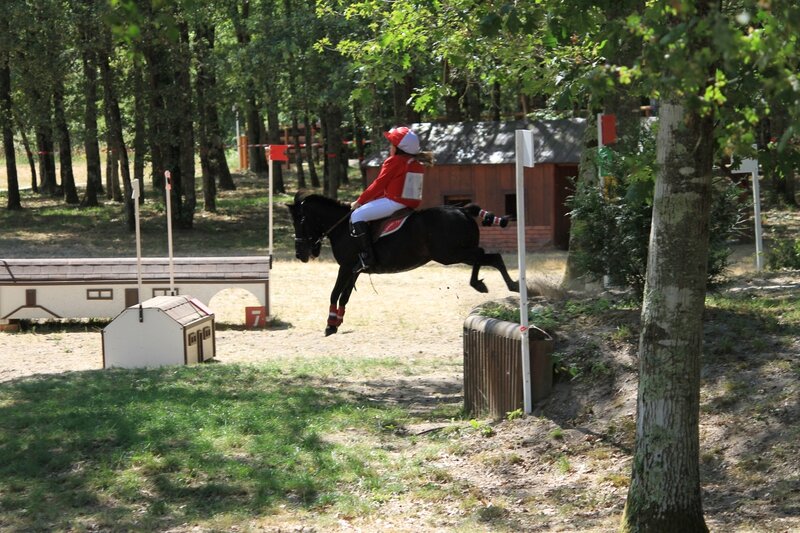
[(496, 261), (480, 259)]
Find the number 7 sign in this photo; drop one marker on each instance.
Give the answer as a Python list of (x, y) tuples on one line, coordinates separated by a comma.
[(255, 317)]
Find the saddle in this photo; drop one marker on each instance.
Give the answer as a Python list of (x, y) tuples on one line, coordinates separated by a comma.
[(386, 226)]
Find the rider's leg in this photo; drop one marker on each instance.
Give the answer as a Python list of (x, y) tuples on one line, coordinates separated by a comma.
[(380, 208)]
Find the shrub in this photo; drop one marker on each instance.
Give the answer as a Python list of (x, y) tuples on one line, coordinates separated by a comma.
[(785, 253), (611, 227)]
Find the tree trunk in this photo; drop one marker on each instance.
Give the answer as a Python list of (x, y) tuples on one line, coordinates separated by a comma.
[(91, 147), (45, 146), (185, 205), (359, 139), (29, 154), (333, 140), (664, 493), (274, 136), (496, 95), (312, 169), (117, 145), (64, 147), (14, 202), (298, 153), (139, 127)]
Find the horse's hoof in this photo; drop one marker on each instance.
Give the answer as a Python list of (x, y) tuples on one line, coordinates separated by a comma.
[(330, 330), (514, 287), (480, 286)]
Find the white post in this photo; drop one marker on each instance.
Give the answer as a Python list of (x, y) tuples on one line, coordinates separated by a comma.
[(524, 149), (269, 285), (135, 196), (168, 177), (269, 162), (757, 216), (750, 166)]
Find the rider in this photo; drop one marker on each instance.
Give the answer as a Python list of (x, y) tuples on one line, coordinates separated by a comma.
[(398, 185)]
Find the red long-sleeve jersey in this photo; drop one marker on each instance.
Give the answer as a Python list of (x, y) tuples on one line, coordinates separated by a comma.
[(400, 179)]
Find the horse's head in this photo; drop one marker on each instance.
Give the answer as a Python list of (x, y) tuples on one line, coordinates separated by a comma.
[(307, 242)]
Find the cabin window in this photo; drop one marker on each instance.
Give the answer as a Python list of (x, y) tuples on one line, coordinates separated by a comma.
[(30, 297), (164, 292), (192, 339), (459, 200), (99, 294), (511, 206), (207, 332)]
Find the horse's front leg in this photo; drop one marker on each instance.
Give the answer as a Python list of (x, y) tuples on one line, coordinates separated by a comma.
[(339, 297)]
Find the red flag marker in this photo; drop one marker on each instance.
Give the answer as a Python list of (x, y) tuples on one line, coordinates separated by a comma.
[(608, 125), (277, 152)]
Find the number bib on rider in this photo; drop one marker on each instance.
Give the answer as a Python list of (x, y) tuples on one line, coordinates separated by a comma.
[(412, 188)]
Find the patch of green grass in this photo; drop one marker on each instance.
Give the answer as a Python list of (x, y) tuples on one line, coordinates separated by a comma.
[(151, 449)]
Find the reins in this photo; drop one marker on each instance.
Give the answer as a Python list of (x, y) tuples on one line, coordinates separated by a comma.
[(329, 230)]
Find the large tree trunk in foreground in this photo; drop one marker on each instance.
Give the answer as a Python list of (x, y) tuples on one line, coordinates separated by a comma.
[(664, 493)]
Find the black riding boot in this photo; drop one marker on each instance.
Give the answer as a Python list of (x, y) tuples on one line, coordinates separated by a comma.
[(366, 259)]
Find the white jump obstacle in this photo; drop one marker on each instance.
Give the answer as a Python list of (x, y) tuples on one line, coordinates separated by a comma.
[(103, 287), (165, 330)]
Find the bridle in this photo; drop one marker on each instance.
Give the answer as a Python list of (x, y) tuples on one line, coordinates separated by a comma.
[(318, 242)]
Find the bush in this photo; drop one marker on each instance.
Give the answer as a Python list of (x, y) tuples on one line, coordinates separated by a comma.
[(611, 227), (785, 253)]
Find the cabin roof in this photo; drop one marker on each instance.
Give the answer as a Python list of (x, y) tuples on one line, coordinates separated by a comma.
[(493, 143), (125, 269), (182, 309)]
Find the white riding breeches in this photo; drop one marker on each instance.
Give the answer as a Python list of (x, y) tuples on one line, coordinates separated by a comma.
[(380, 208)]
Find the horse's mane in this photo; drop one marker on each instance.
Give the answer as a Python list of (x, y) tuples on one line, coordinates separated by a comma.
[(303, 195)]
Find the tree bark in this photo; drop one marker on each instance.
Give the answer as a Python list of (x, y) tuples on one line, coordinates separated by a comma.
[(64, 147), (664, 493), (298, 153), (29, 154), (44, 145), (312, 169), (14, 202), (91, 147), (274, 136), (117, 145), (139, 127), (186, 205), (333, 143)]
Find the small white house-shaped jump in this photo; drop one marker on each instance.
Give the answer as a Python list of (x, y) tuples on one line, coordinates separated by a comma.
[(165, 330)]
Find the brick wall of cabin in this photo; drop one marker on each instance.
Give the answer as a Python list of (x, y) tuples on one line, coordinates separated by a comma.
[(497, 239)]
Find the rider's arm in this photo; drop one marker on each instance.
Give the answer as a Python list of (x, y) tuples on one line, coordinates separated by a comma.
[(392, 168)]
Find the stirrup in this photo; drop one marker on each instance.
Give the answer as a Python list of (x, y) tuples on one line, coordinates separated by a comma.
[(361, 265)]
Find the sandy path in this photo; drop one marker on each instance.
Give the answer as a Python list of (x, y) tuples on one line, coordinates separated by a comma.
[(416, 314)]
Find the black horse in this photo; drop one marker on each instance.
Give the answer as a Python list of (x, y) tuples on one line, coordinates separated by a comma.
[(446, 234)]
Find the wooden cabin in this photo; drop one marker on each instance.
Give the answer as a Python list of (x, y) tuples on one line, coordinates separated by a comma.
[(165, 330), (476, 162)]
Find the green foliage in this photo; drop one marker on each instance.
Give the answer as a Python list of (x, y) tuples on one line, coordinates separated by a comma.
[(482, 427), (784, 253), (612, 225)]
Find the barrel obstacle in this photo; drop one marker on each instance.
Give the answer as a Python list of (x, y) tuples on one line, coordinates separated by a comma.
[(100, 288)]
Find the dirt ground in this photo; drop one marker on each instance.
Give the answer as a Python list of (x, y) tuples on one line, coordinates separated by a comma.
[(416, 314)]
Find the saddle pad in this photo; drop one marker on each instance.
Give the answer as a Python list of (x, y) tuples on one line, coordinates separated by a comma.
[(389, 225)]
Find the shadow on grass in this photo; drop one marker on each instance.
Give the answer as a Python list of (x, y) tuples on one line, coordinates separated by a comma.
[(152, 449)]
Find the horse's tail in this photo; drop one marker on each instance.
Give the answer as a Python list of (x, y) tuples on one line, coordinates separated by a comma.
[(487, 218)]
